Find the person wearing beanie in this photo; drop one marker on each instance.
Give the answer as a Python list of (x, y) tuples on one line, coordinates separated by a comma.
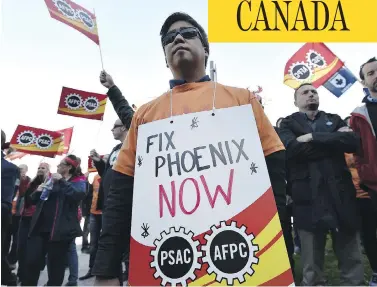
[(186, 49)]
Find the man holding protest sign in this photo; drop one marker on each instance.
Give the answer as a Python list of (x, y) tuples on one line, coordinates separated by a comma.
[(250, 145)]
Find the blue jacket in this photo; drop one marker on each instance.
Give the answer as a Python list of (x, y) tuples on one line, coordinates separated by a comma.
[(9, 174)]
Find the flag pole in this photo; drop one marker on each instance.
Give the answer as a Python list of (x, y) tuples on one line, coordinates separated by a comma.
[(99, 43), (100, 53), (212, 70)]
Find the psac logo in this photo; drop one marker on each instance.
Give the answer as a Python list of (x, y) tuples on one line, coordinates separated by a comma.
[(314, 16), (74, 102), (85, 18), (66, 9), (44, 141)]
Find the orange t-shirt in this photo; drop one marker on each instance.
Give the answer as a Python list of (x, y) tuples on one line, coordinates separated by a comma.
[(93, 207), (350, 160), (192, 98)]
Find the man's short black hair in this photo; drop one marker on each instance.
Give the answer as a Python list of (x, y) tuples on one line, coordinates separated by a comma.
[(301, 85), (3, 138), (180, 16), (371, 60)]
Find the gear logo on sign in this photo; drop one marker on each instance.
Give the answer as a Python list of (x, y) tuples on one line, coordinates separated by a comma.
[(315, 59), (65, 9), (44, 141), (26, 138), (85, 18), (230, 252), (73, 101), (176, 257), (91, 104), (301, 71)]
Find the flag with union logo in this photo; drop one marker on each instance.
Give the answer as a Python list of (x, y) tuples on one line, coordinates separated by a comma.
[(66, 142), (75, 16), (77, 103), (15, 155), (91, 166), (36, 141), (313, 63)]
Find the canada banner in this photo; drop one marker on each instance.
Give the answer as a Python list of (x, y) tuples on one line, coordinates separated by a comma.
[(36, 141), (81, 104), (203, 210), (313, 63), (74, 16)]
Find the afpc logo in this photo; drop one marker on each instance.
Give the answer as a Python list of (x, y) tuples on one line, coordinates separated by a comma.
[(301, 71), (26, 138), (292, 21), (65, 8), (73, 101)]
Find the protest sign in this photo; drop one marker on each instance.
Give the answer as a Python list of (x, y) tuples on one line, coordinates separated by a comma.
[(203, 208)]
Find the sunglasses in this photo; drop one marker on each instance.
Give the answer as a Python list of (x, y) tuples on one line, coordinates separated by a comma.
[(185, 32), (116, 126)]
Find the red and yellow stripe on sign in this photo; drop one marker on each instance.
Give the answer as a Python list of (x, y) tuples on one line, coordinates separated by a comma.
[(273, 267), (83, 113), (34, 149), (74, 16), (82, 104)]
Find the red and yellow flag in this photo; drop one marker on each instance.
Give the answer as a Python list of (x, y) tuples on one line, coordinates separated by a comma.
[(36, 141), (313, 63), (15, 155), (66, 142), (75, 16), (91, 166), (82, 104)]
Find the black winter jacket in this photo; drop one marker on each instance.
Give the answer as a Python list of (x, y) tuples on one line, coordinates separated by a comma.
[(66, 225), (323, 194), (105, 172), (125, 114)]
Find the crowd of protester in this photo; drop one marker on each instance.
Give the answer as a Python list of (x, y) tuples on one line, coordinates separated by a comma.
[(323, 172)]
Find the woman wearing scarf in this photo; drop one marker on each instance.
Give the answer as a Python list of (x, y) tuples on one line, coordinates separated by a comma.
[(55, 223), (26, 215)]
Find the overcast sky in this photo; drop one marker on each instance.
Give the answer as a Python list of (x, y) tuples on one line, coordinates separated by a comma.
[(39, 55)]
